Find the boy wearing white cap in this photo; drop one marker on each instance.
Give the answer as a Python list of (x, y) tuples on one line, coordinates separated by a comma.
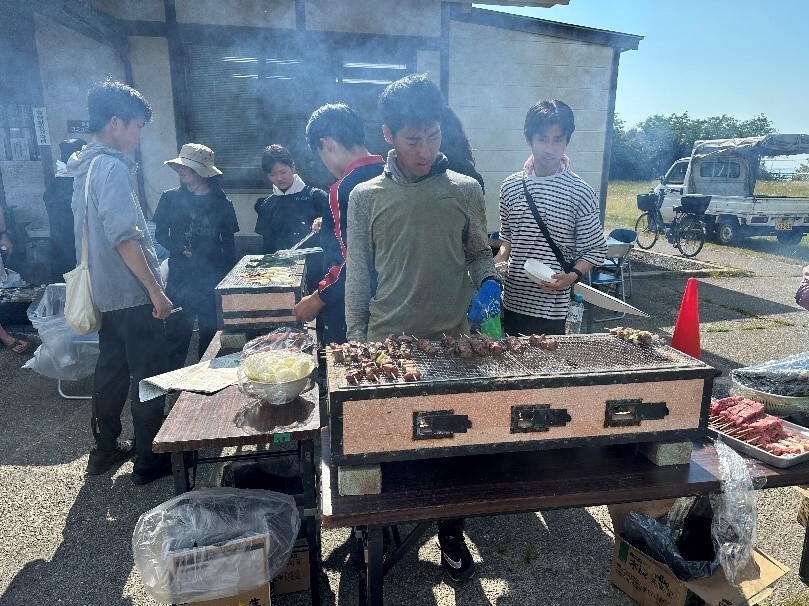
[(196, 223)]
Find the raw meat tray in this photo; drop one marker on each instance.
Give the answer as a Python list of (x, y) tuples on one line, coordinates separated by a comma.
[(761, 454)]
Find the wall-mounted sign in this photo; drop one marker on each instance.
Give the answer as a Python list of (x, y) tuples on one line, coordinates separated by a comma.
[(76, 127), (41, 126)]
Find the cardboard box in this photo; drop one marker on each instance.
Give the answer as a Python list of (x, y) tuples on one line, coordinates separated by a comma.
[(260, 596), (191, 567), (651, 583), (295, 576)]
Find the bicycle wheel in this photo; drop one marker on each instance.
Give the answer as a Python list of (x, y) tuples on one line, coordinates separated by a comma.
[(646, 228), (690, 236)]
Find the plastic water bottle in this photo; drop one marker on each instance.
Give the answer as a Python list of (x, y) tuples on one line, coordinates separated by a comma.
[(575, 314)]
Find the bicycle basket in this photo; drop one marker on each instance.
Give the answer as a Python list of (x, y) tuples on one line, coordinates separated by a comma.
[(647, 202), (695, 204)]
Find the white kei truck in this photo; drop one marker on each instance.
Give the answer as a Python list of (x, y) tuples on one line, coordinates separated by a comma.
[(723, 173)]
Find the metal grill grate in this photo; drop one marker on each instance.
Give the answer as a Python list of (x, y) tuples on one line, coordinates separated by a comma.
[(236, 278), (576, 354)]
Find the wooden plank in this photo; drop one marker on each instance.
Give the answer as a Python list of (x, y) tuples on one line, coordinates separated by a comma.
[(230, 418), (423, 490)]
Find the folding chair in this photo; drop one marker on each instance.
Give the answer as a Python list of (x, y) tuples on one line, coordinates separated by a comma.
[(614, 276)]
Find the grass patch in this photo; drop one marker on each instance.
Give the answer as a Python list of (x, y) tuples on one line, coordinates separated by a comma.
[(622, 211), (796, 603), (501, 549), (754, 327), (780, 322), (720, 329)]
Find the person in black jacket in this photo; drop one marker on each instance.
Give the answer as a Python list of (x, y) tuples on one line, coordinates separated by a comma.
[(58, 197), (196, 223), (291, 212)]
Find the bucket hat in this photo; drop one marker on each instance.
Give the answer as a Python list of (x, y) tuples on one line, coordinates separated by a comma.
[(198, 158)]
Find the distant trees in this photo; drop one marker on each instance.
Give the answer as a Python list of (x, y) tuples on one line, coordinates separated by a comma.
[(646, 150)]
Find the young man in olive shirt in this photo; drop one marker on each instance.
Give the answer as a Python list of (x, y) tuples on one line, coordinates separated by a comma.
[(418, 232)]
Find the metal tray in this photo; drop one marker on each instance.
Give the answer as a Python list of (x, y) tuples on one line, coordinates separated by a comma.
[(763, 455)]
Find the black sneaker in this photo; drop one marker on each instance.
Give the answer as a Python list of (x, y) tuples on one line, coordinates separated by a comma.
[(151, 473), (455, 558), (102, 459)]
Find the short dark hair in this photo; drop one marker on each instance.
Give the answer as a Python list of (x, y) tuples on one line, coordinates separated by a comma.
[(274, 154), (454, 142), (113, 98), (546, 113), (68, 147), (414, 100), (338, 121)]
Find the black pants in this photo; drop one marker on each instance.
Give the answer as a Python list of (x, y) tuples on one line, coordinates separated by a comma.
[(132, 347), (180, 325), (515, 324)]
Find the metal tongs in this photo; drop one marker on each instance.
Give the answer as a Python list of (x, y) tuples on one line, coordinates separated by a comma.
[(293, 251)]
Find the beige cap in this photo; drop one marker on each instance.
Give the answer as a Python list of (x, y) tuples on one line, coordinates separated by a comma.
[(198, 158)]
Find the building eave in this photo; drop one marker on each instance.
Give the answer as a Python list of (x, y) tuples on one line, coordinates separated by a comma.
[(530, 25)]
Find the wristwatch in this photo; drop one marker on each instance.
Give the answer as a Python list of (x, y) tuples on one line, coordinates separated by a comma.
[(578, 273)]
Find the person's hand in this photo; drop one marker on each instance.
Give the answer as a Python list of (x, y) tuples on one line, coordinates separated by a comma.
[(316, 224), (560, 282), (308, 307), (161, 304), (5, 244), (486, 303)]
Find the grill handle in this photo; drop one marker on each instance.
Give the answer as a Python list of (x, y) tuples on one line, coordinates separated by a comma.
[(631, 411), (438, 424), (537, 417)]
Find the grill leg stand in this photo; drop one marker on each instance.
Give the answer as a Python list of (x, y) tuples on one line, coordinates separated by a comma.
[(362, 479)]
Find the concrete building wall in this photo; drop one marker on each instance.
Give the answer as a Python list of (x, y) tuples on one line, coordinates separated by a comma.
[(412, 18), (151, 73), (495, 75), (69, 65), (139, 10), (277, 14)]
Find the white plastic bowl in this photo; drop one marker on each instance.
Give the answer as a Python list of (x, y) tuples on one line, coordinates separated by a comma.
[(538, 271)]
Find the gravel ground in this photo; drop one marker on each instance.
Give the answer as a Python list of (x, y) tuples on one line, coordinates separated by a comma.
[(66, 538)]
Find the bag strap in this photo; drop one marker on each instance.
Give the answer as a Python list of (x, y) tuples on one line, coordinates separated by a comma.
[(566, 265), (85, 253)]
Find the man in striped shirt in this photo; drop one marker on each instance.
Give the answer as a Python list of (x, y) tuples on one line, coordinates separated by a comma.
[(568, 208)]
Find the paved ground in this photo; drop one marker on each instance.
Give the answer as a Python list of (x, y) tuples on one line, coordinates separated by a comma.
[(66, 539)]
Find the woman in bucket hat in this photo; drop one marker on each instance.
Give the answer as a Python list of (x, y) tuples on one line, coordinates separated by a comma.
[(196, 223)]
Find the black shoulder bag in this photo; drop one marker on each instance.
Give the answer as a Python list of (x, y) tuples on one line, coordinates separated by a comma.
[(567, 266)]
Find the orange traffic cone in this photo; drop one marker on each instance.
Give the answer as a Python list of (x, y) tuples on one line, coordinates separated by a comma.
[(686, 330)]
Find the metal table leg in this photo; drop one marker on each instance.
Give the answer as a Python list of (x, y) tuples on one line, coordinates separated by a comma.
[(306, 452), (803, 571), (180, 473), (371, 583), (67, 397)]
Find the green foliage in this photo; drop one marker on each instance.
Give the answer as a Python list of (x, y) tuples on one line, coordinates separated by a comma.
[(648, 149)]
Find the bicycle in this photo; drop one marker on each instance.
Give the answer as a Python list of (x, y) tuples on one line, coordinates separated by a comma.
[(687, 232)]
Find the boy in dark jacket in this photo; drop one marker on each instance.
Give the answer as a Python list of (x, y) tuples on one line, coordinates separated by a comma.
[(291, 212), (336, 133)]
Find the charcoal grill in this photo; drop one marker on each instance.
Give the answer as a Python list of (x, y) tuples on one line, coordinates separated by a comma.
[(242, 304), (591, 390)]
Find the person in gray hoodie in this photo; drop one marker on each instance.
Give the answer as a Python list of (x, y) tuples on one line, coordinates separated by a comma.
[(126, 281)]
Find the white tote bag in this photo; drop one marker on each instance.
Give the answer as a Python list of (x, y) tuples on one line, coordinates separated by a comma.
[(81, 312)]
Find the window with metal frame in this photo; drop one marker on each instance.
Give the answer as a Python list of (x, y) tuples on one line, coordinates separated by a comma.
[(244, 97), (720, 170)]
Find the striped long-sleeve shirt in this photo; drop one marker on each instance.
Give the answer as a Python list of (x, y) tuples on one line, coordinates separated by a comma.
[(569, 209)]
